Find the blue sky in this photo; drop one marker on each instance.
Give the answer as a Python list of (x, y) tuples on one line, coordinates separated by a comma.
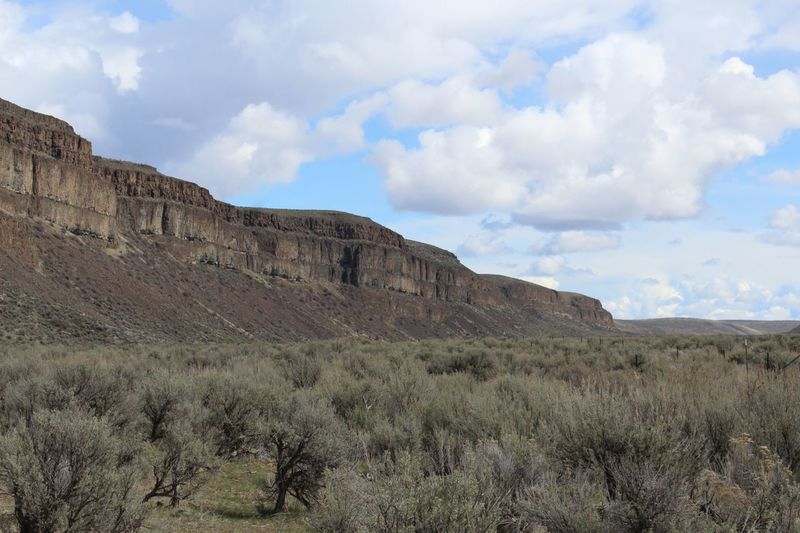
[(646, 153)]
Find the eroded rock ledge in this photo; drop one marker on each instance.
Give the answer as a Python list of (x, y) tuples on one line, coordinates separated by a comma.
[(48, 173)]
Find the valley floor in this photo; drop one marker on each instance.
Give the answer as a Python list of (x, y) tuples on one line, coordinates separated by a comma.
[(539, 434)]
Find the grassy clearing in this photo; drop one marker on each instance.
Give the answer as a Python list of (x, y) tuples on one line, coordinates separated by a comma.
[(227, 504)]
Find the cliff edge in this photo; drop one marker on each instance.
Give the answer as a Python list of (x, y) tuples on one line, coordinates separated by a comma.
[(98, 248)]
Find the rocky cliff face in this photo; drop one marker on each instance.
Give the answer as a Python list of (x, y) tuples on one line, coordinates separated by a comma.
[(50, 182)]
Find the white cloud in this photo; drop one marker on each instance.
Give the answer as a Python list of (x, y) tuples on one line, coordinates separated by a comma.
[(556, 264), (125, 23), (618, 145), (784, 176), (454, 101), (629, 126), (77, 62), (785, 224), (549, 265), (576, 241), (545, 281), (786, 217), (345, 132), (121, 65), (783, 238), (518, 68), (787, 37), (482, 245), (653, 298), (260, 145), (84, 124), (719, 297), (448, 174)]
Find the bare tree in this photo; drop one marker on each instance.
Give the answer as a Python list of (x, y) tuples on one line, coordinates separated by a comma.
[(302, 438), (181, 462)]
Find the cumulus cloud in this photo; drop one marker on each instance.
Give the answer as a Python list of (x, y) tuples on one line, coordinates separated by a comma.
[(784, 176), (786, 217), (520, 67), (482, 245), (263, 145), (125, 23), (545, 281), (454, 101), (616, 146), (121, 65), (630, 126), (556, 264), (653, 298), (576, 241), (549, 265), (785, 226), (260, 145), (719, 297), (74, 46), (496, 222), (84, 123)]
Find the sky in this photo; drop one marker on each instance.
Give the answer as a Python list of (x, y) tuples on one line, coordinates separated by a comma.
[(645, 153)]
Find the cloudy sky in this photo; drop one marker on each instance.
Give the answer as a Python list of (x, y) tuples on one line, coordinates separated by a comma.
[(647, 153)]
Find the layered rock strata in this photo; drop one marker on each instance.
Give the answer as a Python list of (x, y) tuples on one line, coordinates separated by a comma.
[(48, 175)]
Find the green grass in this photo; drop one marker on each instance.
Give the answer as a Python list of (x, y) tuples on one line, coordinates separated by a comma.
[(227, 503)]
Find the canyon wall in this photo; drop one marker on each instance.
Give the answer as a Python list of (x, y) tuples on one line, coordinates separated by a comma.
[(49, 174)]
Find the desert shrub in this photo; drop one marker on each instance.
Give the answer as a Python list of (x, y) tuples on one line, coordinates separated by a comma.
[(403, 498), (404, 386), (301, 435), (22, 399), (480, 364), (407, 491), (562, 504), (638, 446), (467, 410), (651, 493), (66, 471), (14, 369), (100, 391), (354, 400), (303, 370), (342, 505), (555, 434), (718, 421), (503, 470), (523, 402), (770, 408), (755, 491), (233, 406), (392, 435), (181, 461), (163, 400)]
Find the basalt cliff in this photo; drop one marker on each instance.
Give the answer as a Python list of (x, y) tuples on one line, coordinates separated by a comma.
[(97, 249)]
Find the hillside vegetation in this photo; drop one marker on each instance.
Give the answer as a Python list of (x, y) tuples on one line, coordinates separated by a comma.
[(544, 434)]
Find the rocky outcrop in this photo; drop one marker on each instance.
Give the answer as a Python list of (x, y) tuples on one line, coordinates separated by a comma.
[(49, 175)]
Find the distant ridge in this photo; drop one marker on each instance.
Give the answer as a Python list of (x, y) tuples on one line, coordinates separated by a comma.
[(699, 326)]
